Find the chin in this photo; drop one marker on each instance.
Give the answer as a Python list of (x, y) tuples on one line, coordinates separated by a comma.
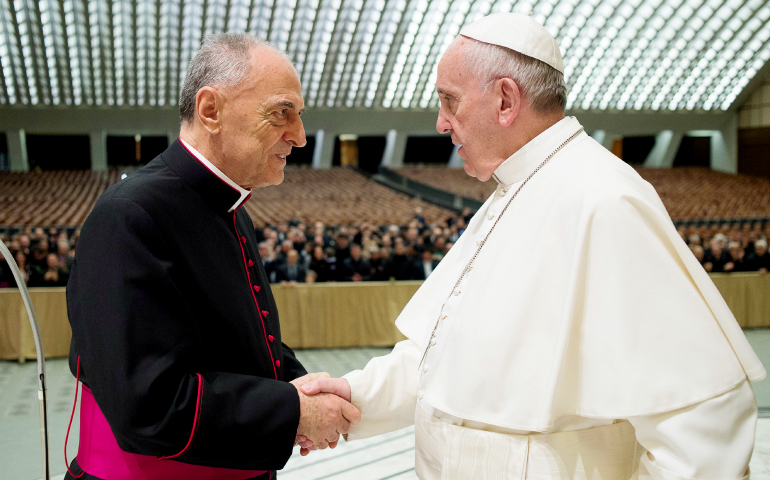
[(469, 169), (277, 178)]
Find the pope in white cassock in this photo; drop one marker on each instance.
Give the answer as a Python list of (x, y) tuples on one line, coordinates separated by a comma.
[(569, 333)]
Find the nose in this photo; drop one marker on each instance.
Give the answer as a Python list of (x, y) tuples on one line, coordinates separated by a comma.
[(295, 135), (442, 124)]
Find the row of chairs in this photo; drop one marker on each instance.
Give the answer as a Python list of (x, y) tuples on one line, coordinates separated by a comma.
[(688, 193), (341, 196), (700, 193), (450, 179), (337, 196)]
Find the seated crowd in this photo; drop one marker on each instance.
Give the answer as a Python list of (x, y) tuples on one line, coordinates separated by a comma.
[(44, 258), (291, 251), (736, 248), (295, 251)]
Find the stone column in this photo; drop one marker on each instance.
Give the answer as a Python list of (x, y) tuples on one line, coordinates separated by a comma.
[(663, 153), (323, 152), (17, 150), (98, 139), (395, 147)]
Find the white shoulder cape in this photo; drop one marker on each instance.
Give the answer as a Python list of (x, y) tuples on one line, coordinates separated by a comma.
[(584, 301)]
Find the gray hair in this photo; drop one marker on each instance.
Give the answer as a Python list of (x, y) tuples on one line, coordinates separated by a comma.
[(760, 243), (542, 85), (222, 61)]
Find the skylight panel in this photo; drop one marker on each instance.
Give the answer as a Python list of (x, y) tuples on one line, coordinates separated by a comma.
[(618, 54)]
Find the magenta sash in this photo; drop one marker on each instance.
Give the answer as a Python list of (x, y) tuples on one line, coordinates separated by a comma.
[(99, 454)]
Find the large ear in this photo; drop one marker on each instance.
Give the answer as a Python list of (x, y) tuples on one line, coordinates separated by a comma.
[(208, 108), (509, 98)]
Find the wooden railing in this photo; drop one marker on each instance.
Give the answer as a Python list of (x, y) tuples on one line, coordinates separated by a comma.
[(323, 315)]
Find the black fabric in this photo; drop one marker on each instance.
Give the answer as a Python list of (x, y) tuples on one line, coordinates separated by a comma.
[(351, 267), (284, 274), (322, 269), (754, 262), (400, 267), (162, 289), (717, 263), (419, 269)]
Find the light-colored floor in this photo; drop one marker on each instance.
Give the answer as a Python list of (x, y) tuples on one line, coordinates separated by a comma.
[(388, 456)]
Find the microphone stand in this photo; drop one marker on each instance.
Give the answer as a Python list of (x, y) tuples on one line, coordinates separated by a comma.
[(41, 388)]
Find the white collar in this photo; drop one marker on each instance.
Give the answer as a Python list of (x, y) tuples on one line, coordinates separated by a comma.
[(244, 193), (522, 163)]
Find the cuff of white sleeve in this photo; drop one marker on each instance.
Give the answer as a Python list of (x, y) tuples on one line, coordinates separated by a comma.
[(648, 470), (355, 380)]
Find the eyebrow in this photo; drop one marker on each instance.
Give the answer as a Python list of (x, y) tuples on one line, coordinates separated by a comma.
[(443, 92), (286, 104)]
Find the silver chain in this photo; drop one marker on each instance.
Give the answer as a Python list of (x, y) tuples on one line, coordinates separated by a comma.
[(469, 266)]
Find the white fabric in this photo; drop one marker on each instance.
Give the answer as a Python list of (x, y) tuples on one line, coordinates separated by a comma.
[(584, 292), (518, 32), (711, 440), (451, 452), (583, 307), (219, 173)]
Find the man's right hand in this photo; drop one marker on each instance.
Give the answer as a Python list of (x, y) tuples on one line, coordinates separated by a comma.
[(324, 416)]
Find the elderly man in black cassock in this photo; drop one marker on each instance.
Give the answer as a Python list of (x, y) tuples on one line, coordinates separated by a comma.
[(175, 330)]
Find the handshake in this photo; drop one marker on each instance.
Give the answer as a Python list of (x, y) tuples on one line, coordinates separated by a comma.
[(325, 411)]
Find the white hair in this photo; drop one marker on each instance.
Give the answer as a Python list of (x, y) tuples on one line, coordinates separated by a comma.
[(760, 243), (542, 85), (222, 61)]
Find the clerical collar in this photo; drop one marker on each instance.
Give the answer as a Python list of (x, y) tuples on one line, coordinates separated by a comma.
[(519, 165), (244, 194)]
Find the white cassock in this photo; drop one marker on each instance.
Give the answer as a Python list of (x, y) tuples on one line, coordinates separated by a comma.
[(585, 342)]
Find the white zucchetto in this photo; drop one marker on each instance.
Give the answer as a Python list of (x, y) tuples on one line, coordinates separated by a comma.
[(518, 32)]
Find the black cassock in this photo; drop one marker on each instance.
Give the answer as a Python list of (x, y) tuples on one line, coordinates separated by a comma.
[(168, 292)]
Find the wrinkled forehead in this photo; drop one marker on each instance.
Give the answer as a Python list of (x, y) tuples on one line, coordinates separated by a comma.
[(452, 70), (452, 55)]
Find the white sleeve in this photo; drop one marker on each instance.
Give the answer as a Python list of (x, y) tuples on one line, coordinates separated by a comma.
[(712, 439), (385, 391)]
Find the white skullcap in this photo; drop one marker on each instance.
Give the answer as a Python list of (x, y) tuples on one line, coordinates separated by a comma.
[(518, 32)]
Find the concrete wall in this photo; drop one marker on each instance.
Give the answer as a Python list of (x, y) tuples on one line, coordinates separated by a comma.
[(755, 112)]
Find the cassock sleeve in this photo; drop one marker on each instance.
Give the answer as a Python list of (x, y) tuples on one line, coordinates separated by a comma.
[(292, 368), (385, 391), (139, 352), (712, 439)]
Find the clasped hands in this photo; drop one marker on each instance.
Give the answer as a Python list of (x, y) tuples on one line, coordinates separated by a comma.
[(325, 411)]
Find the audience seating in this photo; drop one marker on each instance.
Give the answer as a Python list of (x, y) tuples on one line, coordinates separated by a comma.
[(687, 192), (700, 193), (337, 196), (341, 196), (453, 180), (61, 197)]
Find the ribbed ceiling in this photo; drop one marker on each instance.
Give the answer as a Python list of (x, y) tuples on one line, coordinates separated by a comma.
[(619, 54)]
